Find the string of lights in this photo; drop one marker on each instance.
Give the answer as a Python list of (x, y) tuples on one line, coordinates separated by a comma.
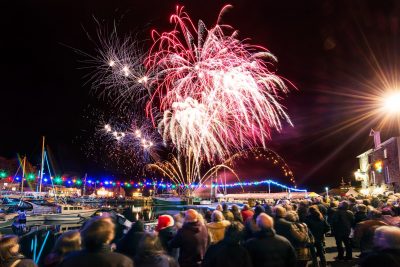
[(90, 182)]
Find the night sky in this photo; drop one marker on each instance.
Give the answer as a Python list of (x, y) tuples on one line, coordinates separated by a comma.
[(330, 50)]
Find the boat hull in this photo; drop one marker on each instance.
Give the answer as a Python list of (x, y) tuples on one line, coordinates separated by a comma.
[(62, 217), (76, 216), (157, 201), (4, 224)]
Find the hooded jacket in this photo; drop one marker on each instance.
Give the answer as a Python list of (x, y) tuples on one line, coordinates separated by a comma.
[(216, 230), (102, 257), (192, 239), (165, 235), (268, 249), (128, 244)]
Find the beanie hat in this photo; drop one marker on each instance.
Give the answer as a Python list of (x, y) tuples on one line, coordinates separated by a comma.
[(164, 221)]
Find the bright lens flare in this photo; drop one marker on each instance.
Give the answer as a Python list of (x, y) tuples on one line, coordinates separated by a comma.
[(392, 102)]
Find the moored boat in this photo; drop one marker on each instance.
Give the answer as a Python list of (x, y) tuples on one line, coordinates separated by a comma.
[(168, 199), (69, 213)]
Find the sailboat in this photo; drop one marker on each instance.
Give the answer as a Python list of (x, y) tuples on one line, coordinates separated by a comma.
[(61, 211)]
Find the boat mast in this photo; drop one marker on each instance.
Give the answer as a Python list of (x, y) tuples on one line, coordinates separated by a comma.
[(84, 186), (23, 175), (41, 168)]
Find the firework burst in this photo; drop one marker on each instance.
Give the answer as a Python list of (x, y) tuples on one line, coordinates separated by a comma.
[(215, 93), (187, 171), (117, 70)]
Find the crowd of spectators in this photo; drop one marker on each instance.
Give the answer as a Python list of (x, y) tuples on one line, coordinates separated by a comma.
[(290, 233)]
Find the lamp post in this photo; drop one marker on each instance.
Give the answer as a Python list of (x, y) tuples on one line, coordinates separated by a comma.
[(327, 193)]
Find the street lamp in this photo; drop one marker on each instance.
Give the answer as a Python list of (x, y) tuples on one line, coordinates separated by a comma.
[(391, 102)]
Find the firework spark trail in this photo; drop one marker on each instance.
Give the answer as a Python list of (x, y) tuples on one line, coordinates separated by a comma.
[(216, 95), (186, 171), (140, 139), (117, 69)]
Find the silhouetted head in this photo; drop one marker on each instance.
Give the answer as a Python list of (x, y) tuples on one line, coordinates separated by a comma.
[(265, 222), (191, 216), (97, 232)]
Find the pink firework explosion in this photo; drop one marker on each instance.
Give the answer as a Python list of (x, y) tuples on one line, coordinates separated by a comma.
[(215, 92)]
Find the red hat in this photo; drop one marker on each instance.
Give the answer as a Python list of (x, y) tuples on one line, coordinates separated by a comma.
[(164, 221)]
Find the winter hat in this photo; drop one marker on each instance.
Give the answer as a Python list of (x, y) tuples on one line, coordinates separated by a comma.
[(164, 221)]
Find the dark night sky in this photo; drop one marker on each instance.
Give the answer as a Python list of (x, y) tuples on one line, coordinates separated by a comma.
[(323, 47)]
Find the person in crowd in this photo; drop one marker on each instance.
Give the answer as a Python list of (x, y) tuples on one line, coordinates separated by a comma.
[(228, 252), (201, 219), (302, 210), (129, 243), (267, 209), (282, 226), (192, 240), (166, 232), (333, 205), (179, 218), (267, 249), (342, 222), (97, 235), (9, 253), (216, 228), (207, 215), (219, 207), (323, 208), (364, 231), (237, 216), (151, 253), (246, 213), (386, 248), (68, 242), (300, 239), (251, 223), (318, 227), (360, 214), (228, 215)]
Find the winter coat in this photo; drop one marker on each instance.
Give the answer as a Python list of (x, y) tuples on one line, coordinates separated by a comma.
[(317, 227), (227, 254), (155, 260), (250, 228), (359, 217), (216, 230), (300, 241), (342, 221), (247, 214), (284, 228), (166, 235), (192, 239), (237, 216), (268, 249), (129, 243), (18, 261), (385, 257), (228, 215), (102, 257), (364, 233)]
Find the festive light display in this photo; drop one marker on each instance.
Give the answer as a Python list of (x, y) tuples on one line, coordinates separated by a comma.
[(160, 184), (3, 174), (216, 94)]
